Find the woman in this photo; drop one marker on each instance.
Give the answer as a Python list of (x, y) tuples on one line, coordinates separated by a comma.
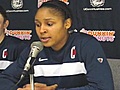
[(10, 47), (68, 60)]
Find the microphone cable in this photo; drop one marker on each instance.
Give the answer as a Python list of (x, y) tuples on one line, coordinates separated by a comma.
[(24, 73), (14, 86)]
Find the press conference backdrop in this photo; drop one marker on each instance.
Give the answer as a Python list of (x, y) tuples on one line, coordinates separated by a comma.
[(99, 18)]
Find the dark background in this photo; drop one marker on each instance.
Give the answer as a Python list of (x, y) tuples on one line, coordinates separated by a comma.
[(93, 20)]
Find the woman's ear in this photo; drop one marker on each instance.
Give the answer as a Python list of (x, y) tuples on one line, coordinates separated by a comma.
[(68, 23), (6, 24)]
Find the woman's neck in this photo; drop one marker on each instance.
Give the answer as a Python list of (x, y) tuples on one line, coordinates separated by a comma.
[(61, 44), (2, 36)]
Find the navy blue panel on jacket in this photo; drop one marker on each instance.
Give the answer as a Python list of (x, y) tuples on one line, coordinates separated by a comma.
[(10, 49)]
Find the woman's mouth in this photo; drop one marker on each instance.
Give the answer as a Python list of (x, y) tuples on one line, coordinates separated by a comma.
[(45, 39)]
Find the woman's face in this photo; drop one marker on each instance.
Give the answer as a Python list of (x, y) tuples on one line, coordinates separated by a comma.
[(1, 25), (51, 29)]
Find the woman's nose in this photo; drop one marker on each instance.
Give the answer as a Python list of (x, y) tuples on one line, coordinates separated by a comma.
[(42, 29)]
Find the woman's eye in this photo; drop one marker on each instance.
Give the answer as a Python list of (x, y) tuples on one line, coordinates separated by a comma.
[(38, 25), (49, 24)]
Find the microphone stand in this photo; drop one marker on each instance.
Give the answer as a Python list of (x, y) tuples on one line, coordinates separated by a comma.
[(32, 77)]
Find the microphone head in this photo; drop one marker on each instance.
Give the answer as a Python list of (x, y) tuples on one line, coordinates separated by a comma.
[(36, 47)]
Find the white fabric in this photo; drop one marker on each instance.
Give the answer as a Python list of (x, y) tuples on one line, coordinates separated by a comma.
[(4, 64), (60, 69)]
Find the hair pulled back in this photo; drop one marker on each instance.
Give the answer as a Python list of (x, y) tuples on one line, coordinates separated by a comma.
[(60, 7), (3, 13)]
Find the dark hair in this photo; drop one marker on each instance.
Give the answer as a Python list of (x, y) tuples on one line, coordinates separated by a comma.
[(60, 6), (3, 13)]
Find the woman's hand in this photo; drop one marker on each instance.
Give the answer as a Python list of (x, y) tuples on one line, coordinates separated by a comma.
[(39, 86)]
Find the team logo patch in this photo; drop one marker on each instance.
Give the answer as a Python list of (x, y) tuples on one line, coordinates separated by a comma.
[(100, 60), (65, 1), (5, 53), (17, 4), (73, 52), (41, 1), (97, 3), (43, 59)]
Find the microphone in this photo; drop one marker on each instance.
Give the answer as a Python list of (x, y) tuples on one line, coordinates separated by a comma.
[(36, 47)]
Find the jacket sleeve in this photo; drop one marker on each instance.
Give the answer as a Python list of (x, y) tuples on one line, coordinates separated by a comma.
[(11, 76), (99, 74), (19, 48)]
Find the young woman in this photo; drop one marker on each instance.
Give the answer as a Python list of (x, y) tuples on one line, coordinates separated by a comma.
[(72, 61), (10, 47)]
